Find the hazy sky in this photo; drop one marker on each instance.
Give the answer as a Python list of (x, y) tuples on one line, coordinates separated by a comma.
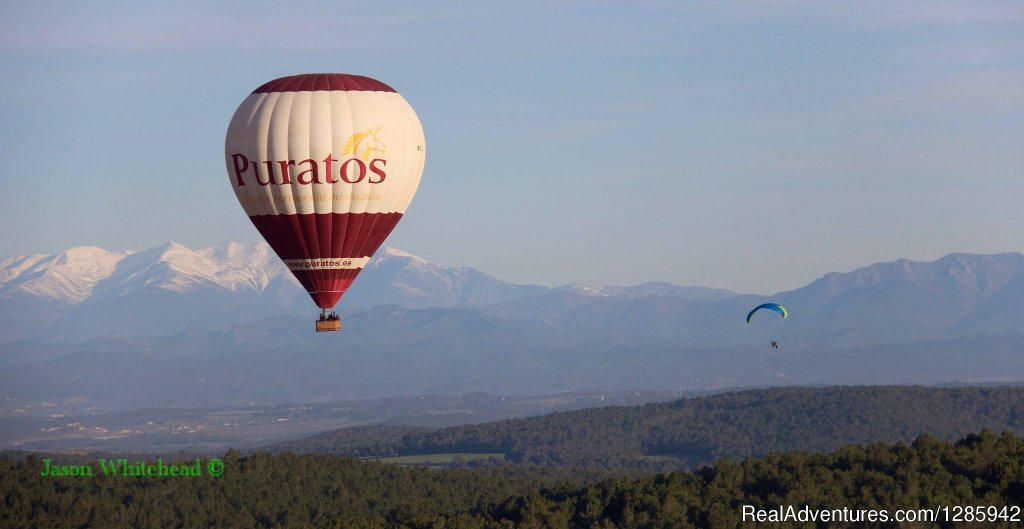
[(749, 145)]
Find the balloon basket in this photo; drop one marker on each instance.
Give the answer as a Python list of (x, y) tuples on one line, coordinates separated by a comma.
[(328, 326)]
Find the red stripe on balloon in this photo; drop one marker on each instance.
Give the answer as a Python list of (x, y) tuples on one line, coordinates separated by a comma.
[(325, 236), (312, 82)]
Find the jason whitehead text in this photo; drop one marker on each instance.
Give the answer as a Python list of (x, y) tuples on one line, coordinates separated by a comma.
[(133, 468)]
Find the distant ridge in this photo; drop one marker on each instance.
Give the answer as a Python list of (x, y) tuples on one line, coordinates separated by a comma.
[(696, 431)]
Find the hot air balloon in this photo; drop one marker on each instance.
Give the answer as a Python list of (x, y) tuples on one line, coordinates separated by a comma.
[(325, 166)]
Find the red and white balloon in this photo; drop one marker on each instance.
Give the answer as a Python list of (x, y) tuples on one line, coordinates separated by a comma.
[(325, 166)]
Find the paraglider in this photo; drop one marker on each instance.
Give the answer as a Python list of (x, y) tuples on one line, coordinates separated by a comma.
[(773, 307), (324, 165), (770, 306)]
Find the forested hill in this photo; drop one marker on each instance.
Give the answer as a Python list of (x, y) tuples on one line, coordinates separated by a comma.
[(690, 432), (262, 491)]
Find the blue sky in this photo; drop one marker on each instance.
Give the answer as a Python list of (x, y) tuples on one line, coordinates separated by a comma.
[(745, 145)]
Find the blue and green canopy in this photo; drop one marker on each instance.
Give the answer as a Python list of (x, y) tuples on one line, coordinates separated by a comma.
[(770, 306)]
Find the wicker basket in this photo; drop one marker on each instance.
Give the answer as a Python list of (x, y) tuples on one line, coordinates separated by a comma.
[(328, 325)]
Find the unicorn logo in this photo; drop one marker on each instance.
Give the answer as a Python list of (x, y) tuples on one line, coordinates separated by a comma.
[(365, 145)]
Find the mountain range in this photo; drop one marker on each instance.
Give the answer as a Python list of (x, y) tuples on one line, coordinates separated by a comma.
[(85, 292), (149, 328)]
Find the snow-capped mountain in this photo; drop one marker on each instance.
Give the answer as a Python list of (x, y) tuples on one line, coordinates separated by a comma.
[(77, 274), (67, 277), (400, 278), (90, 274), (173, 267), (88, 291)]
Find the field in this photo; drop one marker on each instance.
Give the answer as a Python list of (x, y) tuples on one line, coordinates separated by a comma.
[(435, 460)]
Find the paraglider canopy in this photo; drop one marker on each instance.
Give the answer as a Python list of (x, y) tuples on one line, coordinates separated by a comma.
[(770, 306)]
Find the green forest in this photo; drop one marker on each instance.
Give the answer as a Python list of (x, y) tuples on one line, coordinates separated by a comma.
[(688, 433), (983, 471)]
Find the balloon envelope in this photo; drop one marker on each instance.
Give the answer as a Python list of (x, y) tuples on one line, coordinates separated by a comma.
[(325, 166), (769, 306)]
